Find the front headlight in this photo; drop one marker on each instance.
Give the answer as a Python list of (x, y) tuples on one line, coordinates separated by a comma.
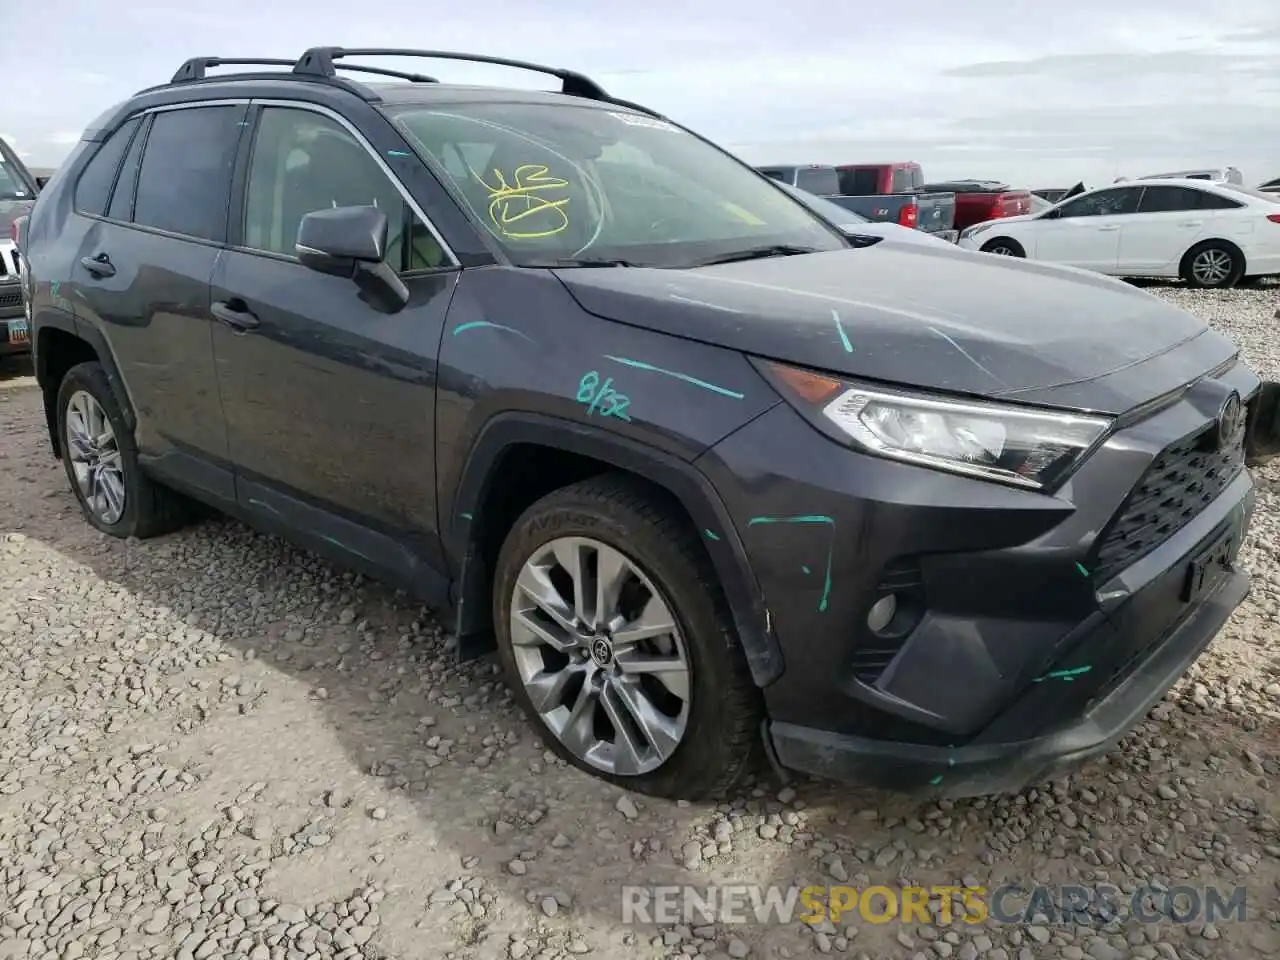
[(1020, 446)]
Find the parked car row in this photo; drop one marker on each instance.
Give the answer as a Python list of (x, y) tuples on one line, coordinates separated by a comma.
[(1203, 226)]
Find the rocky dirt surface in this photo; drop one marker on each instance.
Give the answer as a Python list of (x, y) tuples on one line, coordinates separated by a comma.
[(213, 745)]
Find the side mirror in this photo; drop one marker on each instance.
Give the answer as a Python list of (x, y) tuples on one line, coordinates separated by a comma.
[(351, 242), (1052, 214), (41, 182)]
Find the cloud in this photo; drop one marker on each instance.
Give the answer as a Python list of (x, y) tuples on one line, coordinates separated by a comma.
[(984, 89), (64, 137)]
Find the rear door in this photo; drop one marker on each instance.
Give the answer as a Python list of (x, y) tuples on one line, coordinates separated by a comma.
[(330, 403), (1168, 222), (1086, 232), (141, 275)]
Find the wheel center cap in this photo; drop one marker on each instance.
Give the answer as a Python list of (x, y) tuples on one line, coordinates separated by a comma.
[(601, 652)]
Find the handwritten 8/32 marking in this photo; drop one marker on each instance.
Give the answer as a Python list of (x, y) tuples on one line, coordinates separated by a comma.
[(602, 398)]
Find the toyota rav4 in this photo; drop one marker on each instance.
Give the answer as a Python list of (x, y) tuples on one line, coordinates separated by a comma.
[(708, 475)]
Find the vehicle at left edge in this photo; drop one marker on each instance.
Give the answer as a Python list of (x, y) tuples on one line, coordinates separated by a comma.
[(18, 189)]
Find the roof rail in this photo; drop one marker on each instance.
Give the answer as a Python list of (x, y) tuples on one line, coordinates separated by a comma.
[(318, 61), (194, 69)]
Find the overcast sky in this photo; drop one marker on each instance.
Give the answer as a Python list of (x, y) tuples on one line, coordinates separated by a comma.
[(1041, 95)]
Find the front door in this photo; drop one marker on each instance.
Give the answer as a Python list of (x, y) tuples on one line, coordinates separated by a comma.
[(1086, 231), (330, 404)]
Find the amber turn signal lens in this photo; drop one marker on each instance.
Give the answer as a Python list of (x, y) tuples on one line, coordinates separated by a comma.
[(811, 387)]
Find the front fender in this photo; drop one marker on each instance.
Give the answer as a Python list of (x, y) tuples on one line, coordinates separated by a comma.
[(681, 479)]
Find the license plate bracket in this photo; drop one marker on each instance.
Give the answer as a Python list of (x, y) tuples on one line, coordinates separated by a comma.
[(1208, 568)]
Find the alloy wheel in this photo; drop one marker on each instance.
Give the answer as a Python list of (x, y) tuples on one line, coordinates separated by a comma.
[(601, 656), (1002, 251), (95, 458), (1211, 267)]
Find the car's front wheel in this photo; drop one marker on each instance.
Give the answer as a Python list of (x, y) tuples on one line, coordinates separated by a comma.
[(1004, 247), (101, 461), (617, 641)]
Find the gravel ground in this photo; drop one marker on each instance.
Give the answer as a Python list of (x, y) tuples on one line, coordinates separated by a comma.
[(213, 745)]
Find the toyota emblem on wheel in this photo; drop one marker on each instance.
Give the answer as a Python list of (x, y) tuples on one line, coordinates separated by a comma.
[(1229, 419)]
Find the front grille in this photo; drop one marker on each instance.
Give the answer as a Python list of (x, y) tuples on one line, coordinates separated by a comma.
[(1181, 481), (10, 297)]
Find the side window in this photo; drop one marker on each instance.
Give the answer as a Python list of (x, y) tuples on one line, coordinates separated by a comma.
[(1104, 203), (122, 197), (1169, 199), (93, 190), (185, 179), (1211, 201), (903, 182), (303, 162), (820, 182)]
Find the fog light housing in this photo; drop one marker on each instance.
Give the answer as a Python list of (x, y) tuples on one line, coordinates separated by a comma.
[(882, 613)]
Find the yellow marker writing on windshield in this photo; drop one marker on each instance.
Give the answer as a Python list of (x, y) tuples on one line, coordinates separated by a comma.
[(521, 209), (744, 215)]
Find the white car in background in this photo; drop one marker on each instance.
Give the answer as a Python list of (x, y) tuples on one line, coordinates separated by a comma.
[(1209, 234), (853, 224)]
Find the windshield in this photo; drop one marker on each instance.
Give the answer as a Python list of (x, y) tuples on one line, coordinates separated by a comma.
[(563, 182), (833, 213)]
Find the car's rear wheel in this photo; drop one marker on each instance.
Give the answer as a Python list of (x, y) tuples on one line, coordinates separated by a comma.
[(101, 461), (1004, 247), (617, 642), (1212, 265)]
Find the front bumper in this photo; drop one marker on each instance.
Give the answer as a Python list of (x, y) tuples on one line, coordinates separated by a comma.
[(1030, 641), (981, 768)]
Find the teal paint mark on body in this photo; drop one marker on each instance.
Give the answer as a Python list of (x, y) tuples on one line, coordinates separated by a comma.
[(805, 568), (490, 325), (710, 535), (1081, 568), (844, 339), (641, 365), (812, 518), (936, 780), (465, 516), (1067, 675), (399, 153), (605, 400)]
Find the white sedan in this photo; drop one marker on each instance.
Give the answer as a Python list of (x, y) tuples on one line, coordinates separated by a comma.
[(1209, 234)]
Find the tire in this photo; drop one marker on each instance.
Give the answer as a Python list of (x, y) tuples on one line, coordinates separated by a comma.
[(148, 509), (723, 709), (1212, 265), (1004, 247)]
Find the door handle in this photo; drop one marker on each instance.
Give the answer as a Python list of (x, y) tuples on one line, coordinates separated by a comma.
[(234, 314), (99, 266), (1109, 228), (1191, 223)]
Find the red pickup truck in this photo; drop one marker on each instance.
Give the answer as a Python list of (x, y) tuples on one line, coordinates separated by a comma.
[(978, 201)]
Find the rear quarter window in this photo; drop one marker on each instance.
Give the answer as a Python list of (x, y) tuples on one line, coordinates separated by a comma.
[(822, 182)]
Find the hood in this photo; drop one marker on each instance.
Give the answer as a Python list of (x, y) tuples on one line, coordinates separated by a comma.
[(11, 210), (925, 315)]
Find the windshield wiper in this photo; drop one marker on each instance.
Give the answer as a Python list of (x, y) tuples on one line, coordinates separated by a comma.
[(758, 253), (578, 262)]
